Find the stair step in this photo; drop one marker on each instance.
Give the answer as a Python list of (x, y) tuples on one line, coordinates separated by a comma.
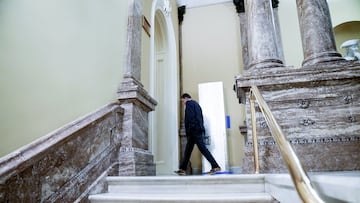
[(183, 198), (188, 184), (249, 188)]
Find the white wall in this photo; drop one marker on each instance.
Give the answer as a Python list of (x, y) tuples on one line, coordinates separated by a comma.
[(59, 60), (344, 11)]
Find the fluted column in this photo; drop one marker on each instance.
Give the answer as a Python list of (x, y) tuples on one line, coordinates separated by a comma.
[(316, 32), (262, 35)]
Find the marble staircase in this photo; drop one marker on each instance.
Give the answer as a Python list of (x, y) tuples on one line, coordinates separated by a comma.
[(210, 188), (333, 187)]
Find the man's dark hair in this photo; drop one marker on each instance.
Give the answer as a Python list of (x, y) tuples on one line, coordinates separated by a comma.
[(185, 95)]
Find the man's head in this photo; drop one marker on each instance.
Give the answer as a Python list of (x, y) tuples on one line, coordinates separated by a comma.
[(185, 97)]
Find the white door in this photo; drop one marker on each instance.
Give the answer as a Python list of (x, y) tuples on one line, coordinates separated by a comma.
[(211, 100)]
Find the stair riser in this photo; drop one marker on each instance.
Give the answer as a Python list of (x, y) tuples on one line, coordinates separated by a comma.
[(238, 198), (195, 189), (182, 201), (191, 188)]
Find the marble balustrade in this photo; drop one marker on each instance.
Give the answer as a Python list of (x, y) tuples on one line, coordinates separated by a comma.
[(66, 165)]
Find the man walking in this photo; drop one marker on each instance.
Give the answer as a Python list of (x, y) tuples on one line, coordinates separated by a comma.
[(194, 126)]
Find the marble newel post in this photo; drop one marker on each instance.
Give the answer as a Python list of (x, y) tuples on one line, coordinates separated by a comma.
[(263, 48), (134, 155), (316, 32)]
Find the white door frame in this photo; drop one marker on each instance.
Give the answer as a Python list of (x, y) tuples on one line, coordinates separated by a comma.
[(167, 144)]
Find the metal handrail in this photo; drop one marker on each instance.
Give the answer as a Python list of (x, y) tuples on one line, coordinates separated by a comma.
[(298, 175)]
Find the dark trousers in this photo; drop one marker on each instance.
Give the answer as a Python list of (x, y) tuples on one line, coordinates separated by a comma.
[(199, 141)]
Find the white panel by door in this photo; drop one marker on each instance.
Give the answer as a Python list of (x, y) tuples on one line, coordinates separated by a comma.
[(211, 100)]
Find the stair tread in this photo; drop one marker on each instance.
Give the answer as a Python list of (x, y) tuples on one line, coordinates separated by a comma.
[(247, 188), (187, 184), (185, 197), (185, 179)]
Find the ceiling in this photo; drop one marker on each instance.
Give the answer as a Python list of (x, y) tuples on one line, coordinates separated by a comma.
[(199, 3)]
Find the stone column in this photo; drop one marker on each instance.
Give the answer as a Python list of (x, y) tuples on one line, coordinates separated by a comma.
[(240, 9), (316, 32), (133, 43), (134, 155), (275, 5), (262, 35), (182, 134)]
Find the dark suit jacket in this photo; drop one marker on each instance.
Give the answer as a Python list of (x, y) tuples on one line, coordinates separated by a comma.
[(194, 122)]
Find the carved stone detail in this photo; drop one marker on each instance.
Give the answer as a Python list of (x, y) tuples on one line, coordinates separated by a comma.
[(348, 99), (351, 118), (263, 124), (307, 122), (294, 141), (304, 103)]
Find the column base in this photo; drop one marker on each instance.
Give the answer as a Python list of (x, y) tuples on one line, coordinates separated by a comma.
[(322, 58), (267, 63), (136, 162)]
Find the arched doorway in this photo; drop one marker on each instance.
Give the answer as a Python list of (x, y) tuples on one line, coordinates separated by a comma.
[(164, 88)]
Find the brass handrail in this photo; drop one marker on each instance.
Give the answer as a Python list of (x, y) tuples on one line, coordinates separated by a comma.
[(298, 175), (254, 135)]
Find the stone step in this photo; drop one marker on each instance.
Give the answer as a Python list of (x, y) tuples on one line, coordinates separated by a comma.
[(183, 198), (212, 188), (188, 184)]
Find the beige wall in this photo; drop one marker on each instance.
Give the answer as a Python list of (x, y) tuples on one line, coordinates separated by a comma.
[(145, 56), (211, 52), (344, 11), (59, 60)]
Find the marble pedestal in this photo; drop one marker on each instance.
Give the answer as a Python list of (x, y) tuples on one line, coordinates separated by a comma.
[(136, 162), (134, 155), (318, 109)]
